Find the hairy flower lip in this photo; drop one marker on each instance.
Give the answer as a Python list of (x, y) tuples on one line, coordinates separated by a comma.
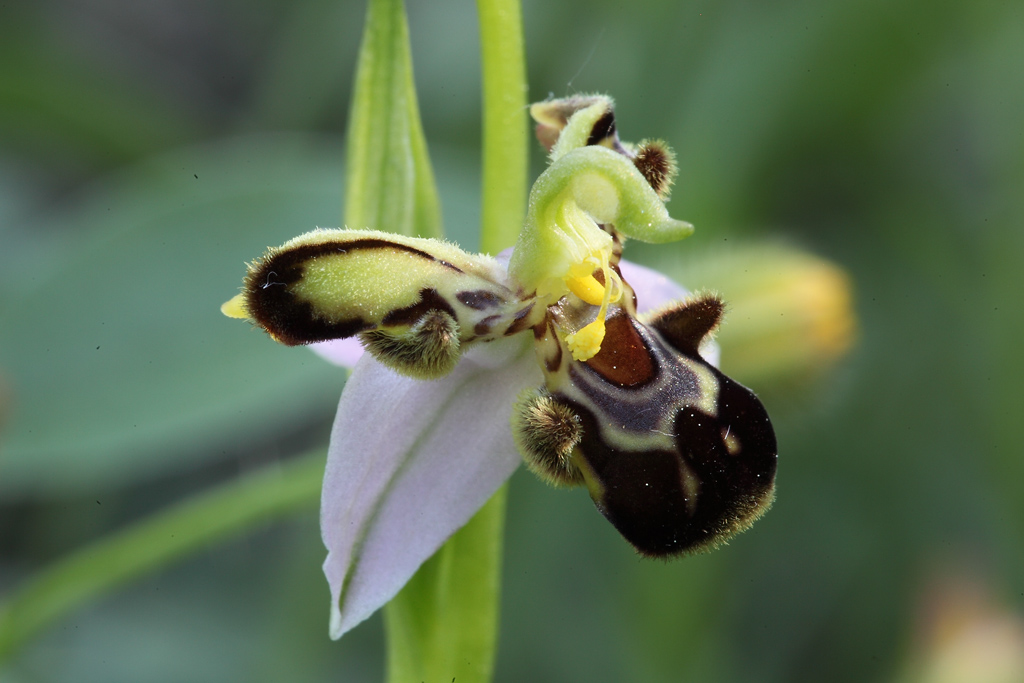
[(403, 472)]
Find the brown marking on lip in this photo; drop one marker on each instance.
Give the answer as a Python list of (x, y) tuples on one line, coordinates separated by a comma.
[(483, 328), (288, 264), (520, 322), (555, 361), (293, 323), (641, 491), (542, 328), (690, 497), (430, 300), (479, 299), (624, 359)]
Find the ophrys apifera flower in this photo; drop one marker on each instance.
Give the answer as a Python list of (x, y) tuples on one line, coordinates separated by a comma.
[(675, 454)]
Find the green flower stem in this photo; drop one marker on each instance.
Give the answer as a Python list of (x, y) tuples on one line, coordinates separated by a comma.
[(443, 626), (189, 526), (505, 150), (390, 184)]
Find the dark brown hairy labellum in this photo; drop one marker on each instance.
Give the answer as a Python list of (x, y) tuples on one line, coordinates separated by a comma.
[(696, 496)]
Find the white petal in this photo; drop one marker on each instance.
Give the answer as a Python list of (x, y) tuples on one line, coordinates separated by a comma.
[(343, 352), (410, 462)]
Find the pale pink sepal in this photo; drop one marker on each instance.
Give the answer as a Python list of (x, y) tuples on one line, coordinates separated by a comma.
[(410, 462), (343, 352), (653, 290)]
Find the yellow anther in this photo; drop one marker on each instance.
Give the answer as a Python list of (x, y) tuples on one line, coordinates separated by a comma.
[(587, 288), (585, 344), (235, 307)]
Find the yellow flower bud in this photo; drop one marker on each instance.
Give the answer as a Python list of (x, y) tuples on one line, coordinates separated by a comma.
[(790, 314)]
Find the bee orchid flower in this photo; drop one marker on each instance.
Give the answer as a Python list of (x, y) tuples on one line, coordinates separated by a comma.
[(593, 371)]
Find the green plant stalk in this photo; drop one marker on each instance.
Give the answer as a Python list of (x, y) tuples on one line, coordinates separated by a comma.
[(229, 510), (505, 143), (444, 624), (386, 161)]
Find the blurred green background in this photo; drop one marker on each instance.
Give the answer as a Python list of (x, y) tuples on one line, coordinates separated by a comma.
[(148, 149)]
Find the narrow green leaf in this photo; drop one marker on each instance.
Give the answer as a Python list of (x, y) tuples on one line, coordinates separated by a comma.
[(506, 154), (390, 184), (443, 625), (186, 527)]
